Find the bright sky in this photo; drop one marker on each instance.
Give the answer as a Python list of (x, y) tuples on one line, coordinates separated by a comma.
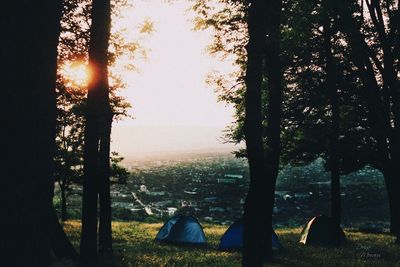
[(174, 109)]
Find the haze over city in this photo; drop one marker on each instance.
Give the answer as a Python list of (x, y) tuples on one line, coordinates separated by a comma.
[(173, 107)]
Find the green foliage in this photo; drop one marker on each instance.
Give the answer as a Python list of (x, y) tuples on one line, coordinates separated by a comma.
[(71, 96), (119, 174), (73, 212), (306, 109)]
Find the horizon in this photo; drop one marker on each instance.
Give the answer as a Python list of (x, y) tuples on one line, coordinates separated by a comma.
[(126, 141)]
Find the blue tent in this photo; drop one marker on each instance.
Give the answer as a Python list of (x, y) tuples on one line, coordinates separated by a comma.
[(182, 229), (233, 238)]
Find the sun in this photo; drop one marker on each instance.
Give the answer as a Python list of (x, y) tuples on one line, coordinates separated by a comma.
[(76, 73)]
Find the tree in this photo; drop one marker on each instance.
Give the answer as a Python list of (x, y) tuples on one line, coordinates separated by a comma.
[(363, 66), (377, 67), (103, 105), (97, 115), (119, 173), (254, 245), (31, 30), (71, 93), (331, 86), (69, 140), (274, 76), (263, 163)]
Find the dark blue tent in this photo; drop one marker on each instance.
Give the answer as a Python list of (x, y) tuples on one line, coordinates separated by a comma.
[(233, 238), (182, 229)]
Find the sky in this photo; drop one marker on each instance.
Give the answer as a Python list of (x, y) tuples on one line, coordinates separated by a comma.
[(173, 108)]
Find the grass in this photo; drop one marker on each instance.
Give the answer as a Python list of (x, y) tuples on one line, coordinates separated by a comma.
[(134, 246)]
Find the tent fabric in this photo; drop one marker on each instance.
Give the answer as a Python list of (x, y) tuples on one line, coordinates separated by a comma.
[(182, 229), (233, 238), (166, 228), (320, 231)]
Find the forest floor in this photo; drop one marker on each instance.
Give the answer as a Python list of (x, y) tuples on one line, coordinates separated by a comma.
[(134, 246)]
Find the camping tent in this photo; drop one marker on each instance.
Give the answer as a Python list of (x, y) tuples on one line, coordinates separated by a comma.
[(182, 229), (233, 238), (321, 231)]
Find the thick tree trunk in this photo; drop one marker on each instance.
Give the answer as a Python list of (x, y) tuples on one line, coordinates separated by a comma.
[(29, 52), (393, 197), (105, 233), (395, 206), (256, 214), (334, 131), (393, 190), (264, 164), (390, 173), (61, 246), (98, 90), (88, 246), (274, 116)]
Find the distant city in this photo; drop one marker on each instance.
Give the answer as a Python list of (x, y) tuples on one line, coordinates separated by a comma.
[(212, 186)]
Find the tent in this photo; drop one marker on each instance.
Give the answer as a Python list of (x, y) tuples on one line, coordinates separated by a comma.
[(233, 238), (182, 229), (320, 231)]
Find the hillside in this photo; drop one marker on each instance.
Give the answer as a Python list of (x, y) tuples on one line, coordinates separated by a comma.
[(134, 246)]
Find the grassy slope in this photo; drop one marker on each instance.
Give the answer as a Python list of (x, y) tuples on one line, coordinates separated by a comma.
[(134, 246)]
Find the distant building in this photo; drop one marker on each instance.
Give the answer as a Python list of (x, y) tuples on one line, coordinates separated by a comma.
[(233, 176), (148, 210), (114, 193), (161, 204), (226, 181), (186, 203), (190, 192), (210, 199), (230, 179), (156, 193), (301, 195), (124, 205), (216, 209), (171, 211), (143, 188), (286, 197)]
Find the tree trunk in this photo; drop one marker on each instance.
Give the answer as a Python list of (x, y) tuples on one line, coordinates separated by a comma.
[(29, 50), (63, 201), (334, 131), (274, 106), (105, 232), (387, 174), (97, 100), (61, 246), (390, 173), (88, 246), (255, 211), (263, 164), (394, 179)]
